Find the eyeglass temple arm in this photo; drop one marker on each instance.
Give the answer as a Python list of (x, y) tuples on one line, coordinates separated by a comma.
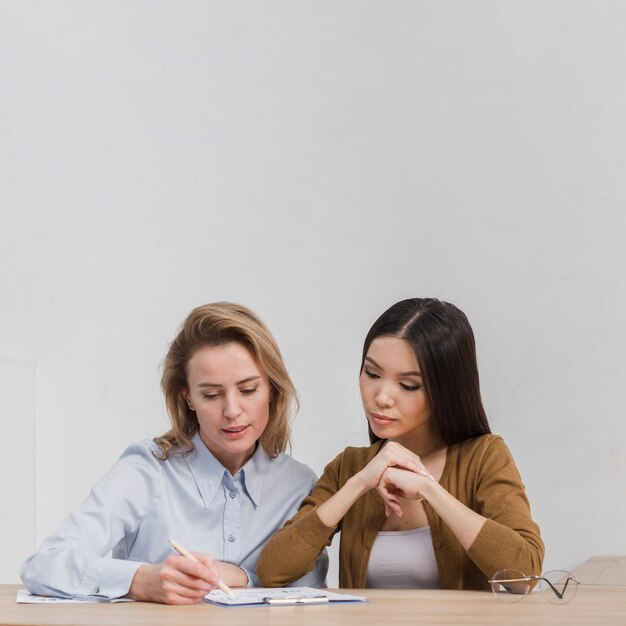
[(559, 595)]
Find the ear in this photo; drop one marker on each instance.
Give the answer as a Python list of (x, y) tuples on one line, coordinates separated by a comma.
[(188, 399)]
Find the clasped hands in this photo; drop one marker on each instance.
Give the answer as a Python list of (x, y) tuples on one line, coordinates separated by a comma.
[(396, 473)]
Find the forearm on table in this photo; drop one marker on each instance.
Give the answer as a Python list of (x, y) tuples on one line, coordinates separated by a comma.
[(292, 551)]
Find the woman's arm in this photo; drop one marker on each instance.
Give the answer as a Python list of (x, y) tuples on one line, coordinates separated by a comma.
[(509, 538), (292, 551), (500, 533), (392, 455), (399, 483), (73, 562)]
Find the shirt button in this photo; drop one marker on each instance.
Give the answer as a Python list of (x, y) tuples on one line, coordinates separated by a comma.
[(231, 538), (232, 494), (437, 544)]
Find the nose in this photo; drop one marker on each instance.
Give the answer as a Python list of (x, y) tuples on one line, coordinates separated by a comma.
[(383, 397), (232, 410)]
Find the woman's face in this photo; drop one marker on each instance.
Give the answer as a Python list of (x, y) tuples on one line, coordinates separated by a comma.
[(392, 390), (231, 398)]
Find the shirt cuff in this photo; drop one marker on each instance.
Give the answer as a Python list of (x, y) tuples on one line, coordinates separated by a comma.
[(109, 578), (253, 579)]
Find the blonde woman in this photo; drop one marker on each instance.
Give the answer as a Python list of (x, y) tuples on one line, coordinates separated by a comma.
[(210, 481)]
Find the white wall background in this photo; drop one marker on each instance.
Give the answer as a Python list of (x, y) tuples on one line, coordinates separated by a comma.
[(318, 161), (17, 464)]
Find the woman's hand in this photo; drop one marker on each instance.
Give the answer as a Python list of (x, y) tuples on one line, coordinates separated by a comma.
[(231, 574), (396, 483), (391, 455), (177, 580)]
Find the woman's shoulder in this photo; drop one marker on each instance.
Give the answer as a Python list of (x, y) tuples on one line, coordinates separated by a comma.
[(480, 450), (137, 469), (143, 454), (295, 469), (354, 458), (143, 447), (482, 442)]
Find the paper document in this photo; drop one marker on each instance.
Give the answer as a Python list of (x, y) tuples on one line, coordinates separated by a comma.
[(25, 597), (283, 596)]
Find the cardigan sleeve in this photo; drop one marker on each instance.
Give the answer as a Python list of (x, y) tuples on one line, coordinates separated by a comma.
[(292, 551), (509, 539)]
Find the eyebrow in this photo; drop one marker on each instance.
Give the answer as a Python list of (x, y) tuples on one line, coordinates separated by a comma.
[(239, 382), (371, 360)]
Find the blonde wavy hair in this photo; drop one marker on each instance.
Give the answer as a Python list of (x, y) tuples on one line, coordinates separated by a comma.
[(215, 325)]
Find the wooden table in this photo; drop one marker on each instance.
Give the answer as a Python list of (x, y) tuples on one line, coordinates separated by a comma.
[(594, 604), (602, 570)]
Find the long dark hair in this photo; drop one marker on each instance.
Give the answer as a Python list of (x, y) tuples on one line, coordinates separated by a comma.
[(443, 342)]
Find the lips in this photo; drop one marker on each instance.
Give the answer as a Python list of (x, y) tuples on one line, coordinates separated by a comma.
[(381, 420), (235, 432)]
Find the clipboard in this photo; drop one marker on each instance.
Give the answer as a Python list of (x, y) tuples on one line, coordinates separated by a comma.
[(282, 596)]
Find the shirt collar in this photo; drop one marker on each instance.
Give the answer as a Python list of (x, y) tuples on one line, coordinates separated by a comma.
[(254, 472), (209, 473)]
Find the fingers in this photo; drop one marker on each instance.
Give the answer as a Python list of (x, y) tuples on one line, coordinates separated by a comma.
[(202, 571), (390, 499), (396, 483), (399, 456), (178, 599), (183, 581), (392, 504), (391, 455), (209, 563)]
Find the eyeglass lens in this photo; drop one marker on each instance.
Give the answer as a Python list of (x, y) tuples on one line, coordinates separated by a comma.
[(509, 585), (561, 581)]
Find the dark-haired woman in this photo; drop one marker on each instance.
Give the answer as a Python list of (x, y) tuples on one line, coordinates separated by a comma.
[(436, 501)]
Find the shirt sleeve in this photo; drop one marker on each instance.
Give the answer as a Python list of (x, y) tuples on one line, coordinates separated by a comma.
[(297, 548), (73, 561), (509, 539)]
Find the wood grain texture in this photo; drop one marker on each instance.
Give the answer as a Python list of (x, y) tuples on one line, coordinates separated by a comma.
[(598, 605), (602, 570)]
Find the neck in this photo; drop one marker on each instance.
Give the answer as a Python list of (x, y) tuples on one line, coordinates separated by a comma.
[(423, 440), (231, 461)]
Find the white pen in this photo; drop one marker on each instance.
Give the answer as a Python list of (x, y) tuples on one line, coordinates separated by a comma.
[(222, 585)]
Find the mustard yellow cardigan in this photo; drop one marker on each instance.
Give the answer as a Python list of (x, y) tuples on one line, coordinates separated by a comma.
[(479, 472)]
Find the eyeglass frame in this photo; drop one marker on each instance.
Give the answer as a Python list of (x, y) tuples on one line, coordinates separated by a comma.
[(532, 578)]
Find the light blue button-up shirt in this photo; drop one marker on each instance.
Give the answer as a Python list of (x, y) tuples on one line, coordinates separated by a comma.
[(142, 502)]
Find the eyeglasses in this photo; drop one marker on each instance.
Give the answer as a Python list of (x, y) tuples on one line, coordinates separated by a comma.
[(511, 585)]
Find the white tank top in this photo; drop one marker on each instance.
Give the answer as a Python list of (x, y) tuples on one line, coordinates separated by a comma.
[(403, 559)]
